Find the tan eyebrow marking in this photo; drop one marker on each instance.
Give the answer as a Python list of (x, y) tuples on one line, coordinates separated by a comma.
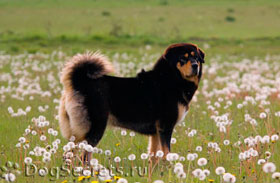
[(186, 55), (192, 53)]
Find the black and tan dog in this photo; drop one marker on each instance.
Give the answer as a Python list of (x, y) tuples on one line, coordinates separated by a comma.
[(150, 103)]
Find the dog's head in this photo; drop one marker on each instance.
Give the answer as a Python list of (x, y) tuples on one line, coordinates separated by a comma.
[(187, 58)]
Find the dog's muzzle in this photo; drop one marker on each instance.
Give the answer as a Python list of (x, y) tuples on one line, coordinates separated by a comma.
[(195, 69)]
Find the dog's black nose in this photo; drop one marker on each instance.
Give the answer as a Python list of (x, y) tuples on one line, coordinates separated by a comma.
[(194, 68)]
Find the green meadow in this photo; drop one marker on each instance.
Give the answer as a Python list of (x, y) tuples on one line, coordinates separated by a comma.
[(240, 85), (241, 26)]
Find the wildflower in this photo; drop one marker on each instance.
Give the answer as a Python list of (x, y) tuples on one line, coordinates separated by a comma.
[(70, 144), (172, 157), (95, 150), (229, 178), (158, 181), (220, 170), (198, 148), (159, 154), (202, 177), (116, 177), (46, 159), (122, 180), (206, 172), (89, 148), (179, 165), (181, 175), (68, 161), (276, 175), (117, 159), (81, 178), (173, 141), (218, 149), (72, 138), (131, 157), (132, 134), (144, 156), (22, 140), (82, 145), (267, 154), (239, 106), (265, 139), (182, 158), (169, 157), (47, 154), (274, 137), (261, 161), (55, 133), (107, 153), (69, 155), (197, 172), (190, 157), (226, 142), (269, 167), (262, 115), (242, 156), (178, 169), (34, 132), (27, 131), (123, 132), (86, 172), (43, 138), (254, 153), (66, 148), (201, 161), (50, 131)]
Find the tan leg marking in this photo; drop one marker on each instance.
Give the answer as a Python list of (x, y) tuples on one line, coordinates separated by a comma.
[(154, 144)]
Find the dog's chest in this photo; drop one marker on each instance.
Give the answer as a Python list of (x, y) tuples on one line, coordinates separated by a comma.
[(182, 112)]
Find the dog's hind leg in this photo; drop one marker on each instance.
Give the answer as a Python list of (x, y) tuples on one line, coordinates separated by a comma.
[(165, 138), (96, 131), (154, 145), (98, 116)]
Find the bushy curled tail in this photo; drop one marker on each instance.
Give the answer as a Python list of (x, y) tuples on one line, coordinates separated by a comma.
[(76, 74), (83, 67)]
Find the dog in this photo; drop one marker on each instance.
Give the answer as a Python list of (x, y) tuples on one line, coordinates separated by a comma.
[(151, 103)]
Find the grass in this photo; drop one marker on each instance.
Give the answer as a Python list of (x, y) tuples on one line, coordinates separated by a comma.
[(134, 33), (45, 67), (34, 25)]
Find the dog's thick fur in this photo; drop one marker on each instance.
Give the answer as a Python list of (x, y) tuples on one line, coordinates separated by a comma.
[(150, 103)]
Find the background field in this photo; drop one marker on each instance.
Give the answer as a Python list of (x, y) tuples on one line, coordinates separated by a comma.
[(133, 34), (36, 25)]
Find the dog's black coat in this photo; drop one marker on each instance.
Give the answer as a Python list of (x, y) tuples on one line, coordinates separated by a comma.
[(145, 103)]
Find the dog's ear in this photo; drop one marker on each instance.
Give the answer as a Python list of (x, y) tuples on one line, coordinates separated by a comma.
[(201, 55), (173, 51)]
